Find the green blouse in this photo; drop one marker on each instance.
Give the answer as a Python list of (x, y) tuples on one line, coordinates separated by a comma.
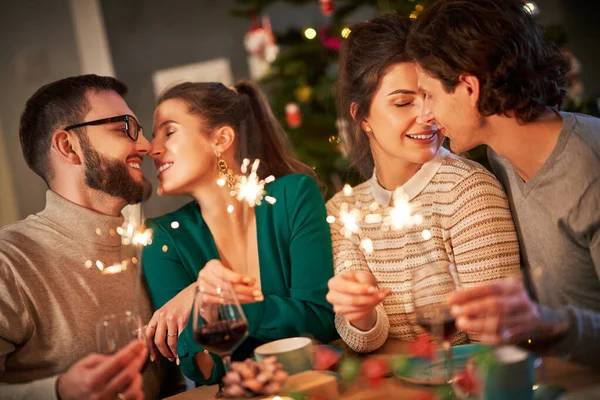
[(295, 257)]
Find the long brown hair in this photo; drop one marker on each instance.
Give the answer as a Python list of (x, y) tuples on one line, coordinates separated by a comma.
[(246, 110), (371, 49)]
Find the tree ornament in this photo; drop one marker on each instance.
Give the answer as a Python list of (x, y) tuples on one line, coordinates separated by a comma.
[(303, 93), (293, 117), (374, 369), (327, 7)]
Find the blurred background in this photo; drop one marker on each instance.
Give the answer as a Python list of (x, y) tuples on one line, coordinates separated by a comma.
[(289, 47)]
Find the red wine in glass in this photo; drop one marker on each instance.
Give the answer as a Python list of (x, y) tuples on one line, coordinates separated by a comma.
[(448, 325), (221, 337), (431, 286), (219, 322)]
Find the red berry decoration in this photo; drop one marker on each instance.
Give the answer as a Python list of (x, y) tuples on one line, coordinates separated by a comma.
[(326, 358), (374, 369), (422, 347)]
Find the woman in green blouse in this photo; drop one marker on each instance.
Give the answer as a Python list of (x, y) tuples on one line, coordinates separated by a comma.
[(199, 129)]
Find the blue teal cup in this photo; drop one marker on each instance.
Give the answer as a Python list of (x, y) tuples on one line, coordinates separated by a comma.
[(510, 377), (295, 354)]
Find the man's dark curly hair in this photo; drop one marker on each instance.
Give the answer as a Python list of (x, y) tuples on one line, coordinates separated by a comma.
[(497, 41)]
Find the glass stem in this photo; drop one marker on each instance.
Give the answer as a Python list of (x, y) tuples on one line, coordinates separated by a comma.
[(449, 360), (227, 366), (227, 362)]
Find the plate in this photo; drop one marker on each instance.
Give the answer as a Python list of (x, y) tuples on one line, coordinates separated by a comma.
[(423, 371)]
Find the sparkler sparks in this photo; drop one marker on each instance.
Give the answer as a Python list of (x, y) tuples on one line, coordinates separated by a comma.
[(401, 215), (249, 187)]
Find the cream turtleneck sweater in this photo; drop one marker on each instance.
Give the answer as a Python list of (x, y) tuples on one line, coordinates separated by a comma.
[(50, 300)]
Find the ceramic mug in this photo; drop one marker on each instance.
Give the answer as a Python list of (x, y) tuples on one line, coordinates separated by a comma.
[(295, 354), (511, 377)]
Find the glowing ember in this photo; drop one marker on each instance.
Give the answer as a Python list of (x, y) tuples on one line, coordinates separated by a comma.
[(250, 188), (144, 238), (349, 220), (174, 224), (367, 245), (347, 189), (426, 234), (269, 199), (373, 218), (401, 214), (113, 269)]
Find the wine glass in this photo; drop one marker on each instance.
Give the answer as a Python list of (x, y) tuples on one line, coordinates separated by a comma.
[(115, 331), (431, 286), (219, 322)]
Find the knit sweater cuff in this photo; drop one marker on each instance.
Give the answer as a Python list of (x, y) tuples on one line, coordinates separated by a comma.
[(43, 389), (364, 341)]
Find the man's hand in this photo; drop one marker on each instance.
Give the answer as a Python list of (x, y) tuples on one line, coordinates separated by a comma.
[(500, 312), (105, 377)]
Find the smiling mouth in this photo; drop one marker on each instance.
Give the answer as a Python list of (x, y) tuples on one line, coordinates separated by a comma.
[(134, 165), (423, 137), (164, 167)]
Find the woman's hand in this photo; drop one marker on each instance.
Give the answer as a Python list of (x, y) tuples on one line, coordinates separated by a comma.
[(354, 295), (215, 273), (169, 321)]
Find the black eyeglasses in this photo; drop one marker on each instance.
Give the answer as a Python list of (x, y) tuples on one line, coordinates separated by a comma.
[(132, 126)]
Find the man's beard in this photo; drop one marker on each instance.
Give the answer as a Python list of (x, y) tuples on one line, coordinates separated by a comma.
[(112, 177)]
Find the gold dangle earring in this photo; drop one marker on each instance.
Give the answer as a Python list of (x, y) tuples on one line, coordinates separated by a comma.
[(225, 175)]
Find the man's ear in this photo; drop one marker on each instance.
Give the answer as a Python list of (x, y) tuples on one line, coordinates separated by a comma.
[(472, 88), (67, 147)]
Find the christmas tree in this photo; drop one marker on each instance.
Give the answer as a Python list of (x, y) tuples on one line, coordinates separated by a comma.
[(302, 71), (299, 71)]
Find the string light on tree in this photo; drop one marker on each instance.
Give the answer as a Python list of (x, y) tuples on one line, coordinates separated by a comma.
[(310, 33), (346, 32), (531, 8)]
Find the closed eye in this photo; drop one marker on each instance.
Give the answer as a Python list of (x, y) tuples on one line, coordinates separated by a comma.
[(169, 133), (403, 104)]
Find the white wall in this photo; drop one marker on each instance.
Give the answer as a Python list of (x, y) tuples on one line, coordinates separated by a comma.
[(9, 211)]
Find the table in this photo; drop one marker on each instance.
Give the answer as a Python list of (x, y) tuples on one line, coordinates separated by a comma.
[(556, 373)]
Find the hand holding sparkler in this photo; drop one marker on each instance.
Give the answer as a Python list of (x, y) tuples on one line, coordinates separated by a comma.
[(355, 295), (214, 272)]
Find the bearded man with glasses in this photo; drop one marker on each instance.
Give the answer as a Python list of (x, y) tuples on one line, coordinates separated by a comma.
[(81, 138)]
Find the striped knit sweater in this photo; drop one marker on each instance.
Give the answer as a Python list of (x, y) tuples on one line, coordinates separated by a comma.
[(466, 211)]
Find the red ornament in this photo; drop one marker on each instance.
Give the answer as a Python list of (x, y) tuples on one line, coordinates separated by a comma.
[(326, 358), (422, 346), (374, 369), (293, 117), (327, 7)]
